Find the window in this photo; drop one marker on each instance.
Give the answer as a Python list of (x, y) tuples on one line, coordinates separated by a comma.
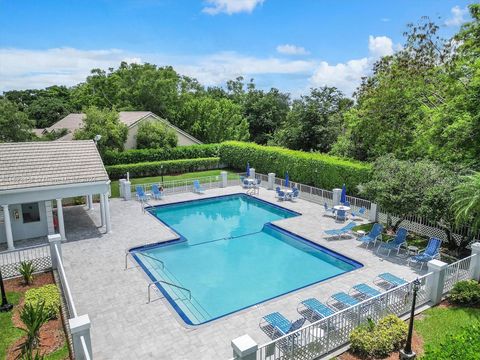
[(30, 212)]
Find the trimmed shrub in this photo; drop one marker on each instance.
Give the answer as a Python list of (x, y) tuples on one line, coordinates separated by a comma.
[(169, 167), (26, 269), (320, 170), (465, 293), (49, 295), (378, 340), (464, 345), (148, 155)]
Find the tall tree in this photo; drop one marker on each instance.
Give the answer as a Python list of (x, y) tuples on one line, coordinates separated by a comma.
[(105, 123), (154, 135), (315, 121), (14, 124)]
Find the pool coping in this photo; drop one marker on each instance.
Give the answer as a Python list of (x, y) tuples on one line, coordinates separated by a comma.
[(181, 239)]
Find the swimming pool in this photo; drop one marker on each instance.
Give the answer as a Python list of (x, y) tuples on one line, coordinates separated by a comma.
[(229, 257)]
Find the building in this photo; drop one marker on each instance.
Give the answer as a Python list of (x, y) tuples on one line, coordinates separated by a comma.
[(36, 176), (132, 119)]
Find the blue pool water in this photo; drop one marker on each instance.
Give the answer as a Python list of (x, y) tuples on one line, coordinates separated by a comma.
[(230, 257)]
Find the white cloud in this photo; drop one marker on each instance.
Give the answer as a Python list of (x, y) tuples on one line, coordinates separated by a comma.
[(458, 16), (290, 49), (380, 46), (347, 76), (385, 19), (230, 7)]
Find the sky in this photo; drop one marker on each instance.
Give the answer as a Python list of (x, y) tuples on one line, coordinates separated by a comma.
[(292, 45)]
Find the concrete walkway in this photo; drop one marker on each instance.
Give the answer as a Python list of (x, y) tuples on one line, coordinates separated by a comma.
[(125, 327)]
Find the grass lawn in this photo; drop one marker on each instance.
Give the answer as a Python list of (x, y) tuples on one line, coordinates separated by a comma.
[(8, 333), (436, 323), (156, 179)]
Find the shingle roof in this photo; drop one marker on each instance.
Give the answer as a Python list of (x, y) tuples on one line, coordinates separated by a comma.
[(49, 163)]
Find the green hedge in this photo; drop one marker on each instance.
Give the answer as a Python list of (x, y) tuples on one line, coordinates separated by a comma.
[(49, 295), (170, 167), (147, 155), (320, 170)]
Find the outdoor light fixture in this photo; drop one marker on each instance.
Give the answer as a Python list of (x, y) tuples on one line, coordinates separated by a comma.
[(407, 353), (5, 305), (161, 170), (97, 138)]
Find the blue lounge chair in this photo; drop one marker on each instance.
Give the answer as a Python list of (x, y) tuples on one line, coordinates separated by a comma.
[(359, 213), (432, 251), (197, 188), (396, 243), (341, 215), (365, 291), (295, 194), (276, 325), (342, 300), (314, 310), (388, 280), (156, 193), (281, 195), (373, 235), (141, 196), (342, 231), (329, 211)]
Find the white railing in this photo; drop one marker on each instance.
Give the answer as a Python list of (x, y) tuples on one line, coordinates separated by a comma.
[(186, 185), (326, 335), (458, 271), (64, 283), (39, 255), (85, 348)]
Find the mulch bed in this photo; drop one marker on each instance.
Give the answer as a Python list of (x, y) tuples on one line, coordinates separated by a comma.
[(52, 336)]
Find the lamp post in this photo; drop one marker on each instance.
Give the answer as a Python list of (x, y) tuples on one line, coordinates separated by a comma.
[(97, 138), (407, 353), (161, 169), (5, 305)]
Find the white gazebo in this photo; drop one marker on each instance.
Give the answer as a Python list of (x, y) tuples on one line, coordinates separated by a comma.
[(35, 174)]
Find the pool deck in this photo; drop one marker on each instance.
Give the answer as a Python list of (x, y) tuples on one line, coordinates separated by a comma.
[(124, 326)]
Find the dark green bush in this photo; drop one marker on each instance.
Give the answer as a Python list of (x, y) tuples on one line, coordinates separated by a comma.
[(47, 295), (147, 155), (378, 340), (465, 293), (320, 170), (464, 345), (169, 167)]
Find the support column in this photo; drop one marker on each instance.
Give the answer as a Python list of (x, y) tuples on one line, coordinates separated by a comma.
[(49, 217), (55, 240), (108, 226), (337, 195), (90, 202), (436, 281), (475, 262), (373, 213), (8, 227), (61, 224), (102, 209), (223, 179), (244, 348), (252, 173), (271, 181), (80, 326)]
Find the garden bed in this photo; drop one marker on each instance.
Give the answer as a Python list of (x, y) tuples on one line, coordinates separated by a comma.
[(53, 342)]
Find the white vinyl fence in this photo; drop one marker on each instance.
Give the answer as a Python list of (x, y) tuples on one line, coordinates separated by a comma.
[(11, 260)]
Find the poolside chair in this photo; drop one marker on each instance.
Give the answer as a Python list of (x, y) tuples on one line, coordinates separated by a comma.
[(346, 203), (388, 280), (329, 211), (396, 243), (281, 195), (359, 213), (276, 325), (342, 300), (341, 215), (246, 184), (141, 196), (313, 310), (197, 188), (373, 235), (432, 251), (342, 231), (156, 193), (295, 194), (364, 291)]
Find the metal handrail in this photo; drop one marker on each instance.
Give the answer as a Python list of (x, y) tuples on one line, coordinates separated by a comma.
[(168, 283), (151, 257)]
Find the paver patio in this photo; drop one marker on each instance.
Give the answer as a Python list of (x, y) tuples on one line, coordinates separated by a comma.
[(124, 326)]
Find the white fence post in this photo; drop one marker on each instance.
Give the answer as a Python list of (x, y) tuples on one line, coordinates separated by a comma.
[(127, 192), (337, 195), (80, 326), (121, 186), (223, 179), (244, 348), (436, 281), (55, 239), (252, 173), (373, 213), (475, 262), (271, 181)]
